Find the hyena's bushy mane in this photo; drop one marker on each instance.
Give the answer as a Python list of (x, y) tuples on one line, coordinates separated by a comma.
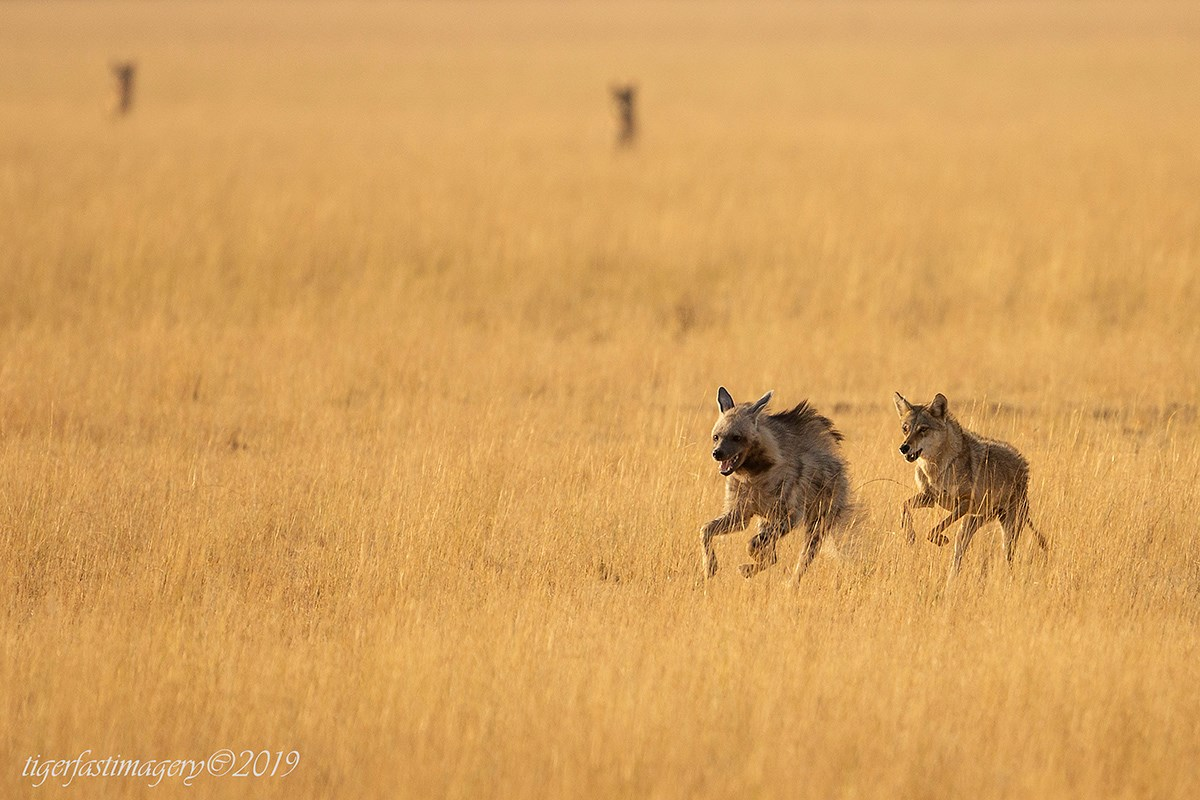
[(804, 416)]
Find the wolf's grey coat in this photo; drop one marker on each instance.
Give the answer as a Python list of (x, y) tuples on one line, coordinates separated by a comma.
[(975, 478)]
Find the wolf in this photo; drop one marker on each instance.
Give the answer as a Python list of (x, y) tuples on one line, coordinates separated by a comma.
[(975, 478), (784, 468)]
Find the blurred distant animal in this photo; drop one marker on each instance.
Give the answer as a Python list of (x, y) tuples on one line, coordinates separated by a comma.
[(124, 73), (625, 98), (975, 478), (784, 468)]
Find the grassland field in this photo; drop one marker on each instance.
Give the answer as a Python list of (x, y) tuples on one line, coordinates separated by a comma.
[(355, 393)]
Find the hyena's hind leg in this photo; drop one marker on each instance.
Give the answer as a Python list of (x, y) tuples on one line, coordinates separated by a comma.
[(825, 513), (812, 531), (809, 547), (762, 549)]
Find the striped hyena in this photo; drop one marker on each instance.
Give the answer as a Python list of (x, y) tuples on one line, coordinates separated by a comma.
[(784, 468)]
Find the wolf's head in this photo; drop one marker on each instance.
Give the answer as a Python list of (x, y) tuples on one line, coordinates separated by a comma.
[(924, 427), (736, 431)]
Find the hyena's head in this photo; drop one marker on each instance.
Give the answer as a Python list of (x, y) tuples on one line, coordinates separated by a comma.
[(736, 431), (924, 427)]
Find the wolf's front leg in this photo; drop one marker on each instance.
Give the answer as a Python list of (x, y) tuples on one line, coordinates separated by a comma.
[(762, 549), (936, 535), (726, 523), (922, 500)]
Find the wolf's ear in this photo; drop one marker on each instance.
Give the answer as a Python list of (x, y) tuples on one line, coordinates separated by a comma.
[(724, 399), (761, 403), (938, 406), (902, 405)]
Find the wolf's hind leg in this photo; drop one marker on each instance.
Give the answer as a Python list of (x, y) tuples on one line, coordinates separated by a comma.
[(965, 533), (762, 549), (1011, 523)]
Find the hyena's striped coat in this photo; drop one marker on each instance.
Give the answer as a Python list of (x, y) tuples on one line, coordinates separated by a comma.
[(786, 469)]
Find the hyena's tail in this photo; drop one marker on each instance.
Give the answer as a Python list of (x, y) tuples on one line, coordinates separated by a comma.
[(847, 537)]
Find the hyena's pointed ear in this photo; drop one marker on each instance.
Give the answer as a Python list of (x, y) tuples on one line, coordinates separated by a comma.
[(902, 405), (761, 403), (724, 399), (938, 406)]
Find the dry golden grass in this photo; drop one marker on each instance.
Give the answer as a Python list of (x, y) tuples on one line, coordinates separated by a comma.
[(354, 394)]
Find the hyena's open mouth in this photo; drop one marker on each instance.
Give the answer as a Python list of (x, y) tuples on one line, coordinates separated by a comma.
[(912, 455), (730, 464)]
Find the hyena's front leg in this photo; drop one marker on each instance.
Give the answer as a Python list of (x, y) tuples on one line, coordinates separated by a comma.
[(922, 500), (762, 549), (726, 523)]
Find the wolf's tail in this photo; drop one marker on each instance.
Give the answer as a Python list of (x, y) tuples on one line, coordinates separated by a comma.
[(1041, 540)]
